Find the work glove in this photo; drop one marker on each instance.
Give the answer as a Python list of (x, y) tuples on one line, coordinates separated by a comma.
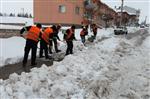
[(21, 35), (75, 39)]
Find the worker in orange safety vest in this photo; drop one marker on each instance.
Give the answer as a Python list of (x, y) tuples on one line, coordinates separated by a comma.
[(46, 39), (32, 38)]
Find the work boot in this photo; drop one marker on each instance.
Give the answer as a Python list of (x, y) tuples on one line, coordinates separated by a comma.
[(25, 68), (24, 65), (66, 54), (58, 51), (41, 56), (50, 52), (33, 64), (49, 57)]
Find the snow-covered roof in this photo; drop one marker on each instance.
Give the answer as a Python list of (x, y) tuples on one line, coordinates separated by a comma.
[(129, 10)]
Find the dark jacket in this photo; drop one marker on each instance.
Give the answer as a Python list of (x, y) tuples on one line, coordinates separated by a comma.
[(25, 29), (70, 36), (55, 36)]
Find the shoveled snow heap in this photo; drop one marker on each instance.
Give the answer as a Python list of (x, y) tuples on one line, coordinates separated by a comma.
[(113, 67), (15, 20)]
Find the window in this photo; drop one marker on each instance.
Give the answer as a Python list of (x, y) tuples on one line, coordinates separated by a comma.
[(62, 8), (87, 2), (77, 10)]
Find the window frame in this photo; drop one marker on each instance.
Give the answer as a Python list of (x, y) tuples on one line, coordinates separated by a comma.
[(77, 10), (62, 8)]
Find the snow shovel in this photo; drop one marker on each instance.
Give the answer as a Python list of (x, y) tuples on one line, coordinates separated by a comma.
[(91, 39)]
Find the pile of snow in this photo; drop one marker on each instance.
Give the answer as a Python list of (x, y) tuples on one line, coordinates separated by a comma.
[(132, 29), (28, 21), (146, 43), (2, 26), (11, 50), (120, 71)]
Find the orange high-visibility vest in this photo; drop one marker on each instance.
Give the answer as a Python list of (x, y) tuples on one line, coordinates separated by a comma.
[(47, 34), (33, 33)]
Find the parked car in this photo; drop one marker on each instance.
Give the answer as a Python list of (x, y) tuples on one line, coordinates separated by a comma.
[(142, 26), (120, 30)]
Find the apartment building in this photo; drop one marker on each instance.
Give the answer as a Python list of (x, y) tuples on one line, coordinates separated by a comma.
[(66, 12)]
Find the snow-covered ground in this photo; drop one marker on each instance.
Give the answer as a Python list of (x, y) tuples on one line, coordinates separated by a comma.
[(112, 67), (11, 50), (16, 20), (2, 26)]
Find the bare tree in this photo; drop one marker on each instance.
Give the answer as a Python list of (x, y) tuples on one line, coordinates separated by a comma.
[(1, 14), (30, 16), (11, 15)]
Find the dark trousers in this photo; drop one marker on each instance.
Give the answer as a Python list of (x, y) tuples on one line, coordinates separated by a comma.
[(95, 33), (50, 46), (83, 39), (69, 47), (55, 44), (43, 47), (30, 44)]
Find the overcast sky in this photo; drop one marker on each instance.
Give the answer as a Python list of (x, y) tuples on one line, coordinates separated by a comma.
[(16, 6)]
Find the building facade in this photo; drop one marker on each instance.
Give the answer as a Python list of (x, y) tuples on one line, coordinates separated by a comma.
[(130, 16), (69, 12), (77, 12), (134, 15), (100, 13), (65, 12)]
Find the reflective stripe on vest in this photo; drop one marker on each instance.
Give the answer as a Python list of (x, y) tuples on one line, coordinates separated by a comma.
[(33, 33), (47, 34)]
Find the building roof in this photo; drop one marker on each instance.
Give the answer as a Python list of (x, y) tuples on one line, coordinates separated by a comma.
[(130, 10)]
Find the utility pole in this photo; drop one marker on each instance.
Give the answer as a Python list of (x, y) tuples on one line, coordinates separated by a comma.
[(22, 11), (145, 20), (121, 12)]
